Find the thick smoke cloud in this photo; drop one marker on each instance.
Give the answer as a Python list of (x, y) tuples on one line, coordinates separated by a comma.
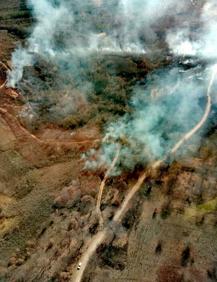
[(65, 30), (139, 16), (169, 105), (200, 41), (67, 33), (173, 99), (51, 20)]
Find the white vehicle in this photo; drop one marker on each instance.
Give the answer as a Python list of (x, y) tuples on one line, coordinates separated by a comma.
[(79, 266)]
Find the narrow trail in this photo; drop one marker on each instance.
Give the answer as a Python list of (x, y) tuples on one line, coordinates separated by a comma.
[(101, 235), (19, 131), (7, 69), (102, 185), (204, 118), (13, 93)]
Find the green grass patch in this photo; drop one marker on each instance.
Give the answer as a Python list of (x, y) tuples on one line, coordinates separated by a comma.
[(209, 206)]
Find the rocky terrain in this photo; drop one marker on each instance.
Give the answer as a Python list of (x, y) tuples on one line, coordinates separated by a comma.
[(48, 198)]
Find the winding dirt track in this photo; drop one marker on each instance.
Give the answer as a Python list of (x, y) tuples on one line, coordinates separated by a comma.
[(7, 69), (204, 118), (102, 185), (101, 235), (13, 93)]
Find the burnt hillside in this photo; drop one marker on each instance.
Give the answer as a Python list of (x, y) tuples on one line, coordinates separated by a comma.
[(58, 116)]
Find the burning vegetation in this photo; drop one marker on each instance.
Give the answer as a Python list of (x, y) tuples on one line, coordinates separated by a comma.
[(108, 117)]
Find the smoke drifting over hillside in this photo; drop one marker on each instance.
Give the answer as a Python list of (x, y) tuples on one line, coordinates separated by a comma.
[(67, 29), (51, 21), (173, 98), (198, 41), (171, 103)]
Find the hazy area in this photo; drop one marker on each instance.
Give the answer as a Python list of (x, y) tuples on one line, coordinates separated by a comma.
[(108, 168)]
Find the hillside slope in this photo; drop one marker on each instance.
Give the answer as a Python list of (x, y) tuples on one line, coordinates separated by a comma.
[(47, 198)]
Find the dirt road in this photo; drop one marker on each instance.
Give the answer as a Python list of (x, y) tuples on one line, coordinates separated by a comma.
[(100, 236)]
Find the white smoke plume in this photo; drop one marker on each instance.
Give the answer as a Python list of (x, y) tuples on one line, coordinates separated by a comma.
[(198, 41), (139, 16), (173, 98), (170, 104), (51, 19), (89, 26)]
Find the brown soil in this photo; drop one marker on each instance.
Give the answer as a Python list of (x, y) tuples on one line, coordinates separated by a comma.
[(47, 204)]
